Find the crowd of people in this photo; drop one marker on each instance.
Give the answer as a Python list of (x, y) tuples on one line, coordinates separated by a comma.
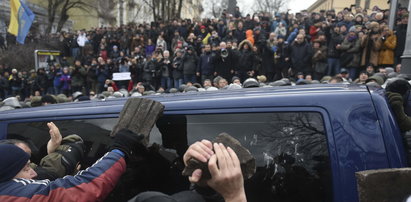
[(170, 56)]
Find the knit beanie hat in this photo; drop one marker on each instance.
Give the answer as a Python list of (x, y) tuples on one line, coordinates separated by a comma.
[(12, 160)]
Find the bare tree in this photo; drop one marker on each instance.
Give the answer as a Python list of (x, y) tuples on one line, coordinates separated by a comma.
[(231, 6), (214, 8), (269, 6), (165, 9), (105, 10), (61, 8)]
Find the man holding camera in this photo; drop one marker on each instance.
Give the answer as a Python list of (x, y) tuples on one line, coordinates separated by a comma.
[(152, 70)]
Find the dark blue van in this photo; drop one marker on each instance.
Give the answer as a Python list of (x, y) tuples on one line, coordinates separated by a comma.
[(308, 141)]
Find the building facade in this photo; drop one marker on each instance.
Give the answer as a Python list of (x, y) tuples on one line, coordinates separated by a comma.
[(339, 5), (117, 12)]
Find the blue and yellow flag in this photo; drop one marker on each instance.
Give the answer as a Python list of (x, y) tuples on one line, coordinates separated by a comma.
[(21, 18)]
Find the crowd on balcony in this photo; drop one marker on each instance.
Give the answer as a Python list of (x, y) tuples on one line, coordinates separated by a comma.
[(354, 45)]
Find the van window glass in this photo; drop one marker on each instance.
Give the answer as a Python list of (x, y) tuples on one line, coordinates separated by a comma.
[(95, 133), (290, 150)]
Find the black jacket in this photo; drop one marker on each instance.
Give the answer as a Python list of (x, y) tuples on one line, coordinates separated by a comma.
[(190, 63), (300, 55), (335, 39)]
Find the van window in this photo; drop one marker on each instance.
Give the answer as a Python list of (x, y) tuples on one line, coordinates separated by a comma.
[(290, 148), (95, 133)]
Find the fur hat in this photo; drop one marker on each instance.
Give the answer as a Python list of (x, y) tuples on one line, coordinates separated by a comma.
[(373, 25)]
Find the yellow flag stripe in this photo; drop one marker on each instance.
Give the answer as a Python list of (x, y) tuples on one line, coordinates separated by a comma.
[(14, 17)]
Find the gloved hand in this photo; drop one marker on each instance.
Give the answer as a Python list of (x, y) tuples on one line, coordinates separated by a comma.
[(127, 142), (396, 102), (395, 99)]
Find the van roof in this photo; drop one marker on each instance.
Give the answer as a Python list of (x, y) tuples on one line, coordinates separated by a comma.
[(285, 95)]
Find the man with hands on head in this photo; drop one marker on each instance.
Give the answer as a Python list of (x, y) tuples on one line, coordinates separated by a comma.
[(224, 166)]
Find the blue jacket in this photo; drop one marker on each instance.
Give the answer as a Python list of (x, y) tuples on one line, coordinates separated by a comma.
[(92, 184), (292, 36), (275, 24), (204, 64)]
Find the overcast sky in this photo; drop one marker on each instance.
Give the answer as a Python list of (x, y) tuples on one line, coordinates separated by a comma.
[(294, 5)]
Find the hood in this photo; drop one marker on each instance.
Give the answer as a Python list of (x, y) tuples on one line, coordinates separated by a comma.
[(250, 45), (249, 33)]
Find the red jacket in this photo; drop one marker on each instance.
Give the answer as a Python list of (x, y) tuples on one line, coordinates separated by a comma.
[(92, 184)]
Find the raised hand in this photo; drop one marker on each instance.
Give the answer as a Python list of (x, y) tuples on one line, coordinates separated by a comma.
[(55, 138)]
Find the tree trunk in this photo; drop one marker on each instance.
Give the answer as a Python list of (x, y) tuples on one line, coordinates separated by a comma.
[(180, 5), (173, 9), (62, 21), (154, 10), (51, 11), (231, 6), (163, 11), (168, 10)]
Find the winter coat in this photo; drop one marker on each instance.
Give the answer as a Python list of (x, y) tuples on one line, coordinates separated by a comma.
[(292, 36), (371, 45), (267, 57), (177, 70), (300, 55), (15, 81), (204, 64), (88, 185), (41, 81), (165, 68), (189, 64), (223, 66), (320, 54), (150, 50), (313, 32), (91, 74), (401, 32), (246, 59), (239, 34), (352, 47), (103, 73), (65, 81), (78, 76), (387, 50), (162, 43), (151, 70), (335, 39), (276, 23)]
